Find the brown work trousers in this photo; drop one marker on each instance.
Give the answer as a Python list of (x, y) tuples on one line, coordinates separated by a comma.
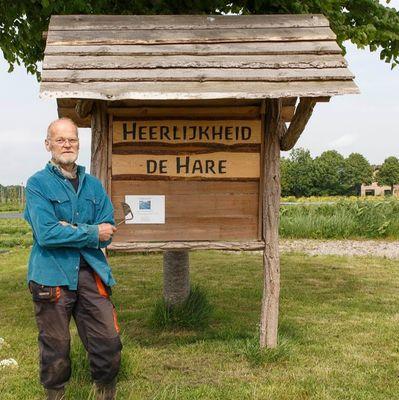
[(95, 318)]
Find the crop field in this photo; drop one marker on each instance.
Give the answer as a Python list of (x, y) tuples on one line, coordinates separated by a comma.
[(342, 218), (10, 207)]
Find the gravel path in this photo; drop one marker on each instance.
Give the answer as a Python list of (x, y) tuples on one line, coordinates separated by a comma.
[(375, 248)]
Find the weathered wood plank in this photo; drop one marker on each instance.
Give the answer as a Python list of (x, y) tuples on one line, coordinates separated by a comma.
[(208, 229), (301, 117), (120, 188), (198, 49), (195, 75), (195, 90), (192, 245), (213, 165), (236, 61), (186, 103), (186, 112), (230, 229), (187, 131), (233, 113), (145, 177), (164, 22), (223, 205), (182, 148), (212, 210), (137, 36)]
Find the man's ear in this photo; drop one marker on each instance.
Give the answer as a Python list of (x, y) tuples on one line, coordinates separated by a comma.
[(47, 144)]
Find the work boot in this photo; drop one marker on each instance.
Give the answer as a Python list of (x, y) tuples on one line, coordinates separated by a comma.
[(55, 394), (106, 391)]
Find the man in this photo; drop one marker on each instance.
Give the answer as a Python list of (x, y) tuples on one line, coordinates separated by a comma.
[(72, 219)]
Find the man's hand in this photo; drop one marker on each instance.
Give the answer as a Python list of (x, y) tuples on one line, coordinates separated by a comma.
[(105, 231)]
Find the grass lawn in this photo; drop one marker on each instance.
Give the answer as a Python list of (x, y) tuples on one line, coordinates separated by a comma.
[(339, 330)]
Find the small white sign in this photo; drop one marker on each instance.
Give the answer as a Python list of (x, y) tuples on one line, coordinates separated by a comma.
[(146, 209)]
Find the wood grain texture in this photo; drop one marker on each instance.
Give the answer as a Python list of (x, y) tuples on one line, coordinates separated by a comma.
[(183, 188), (215, 112), (301, 117), (199, 49), (198, 61), (208, 165), (192, 245), (271, 208), (193, 148), (232, 113), (164, 22), (196, 75), (194, 210), (187, 131), (195, 90), (138, 36)]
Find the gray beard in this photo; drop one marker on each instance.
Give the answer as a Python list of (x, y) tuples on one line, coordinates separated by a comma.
[(67, 174)]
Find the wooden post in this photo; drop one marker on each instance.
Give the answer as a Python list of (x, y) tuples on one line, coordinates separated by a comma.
[(176, 277), (271, 207), (99, 142)]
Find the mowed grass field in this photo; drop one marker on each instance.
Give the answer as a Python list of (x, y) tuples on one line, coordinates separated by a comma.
[(339, 330)]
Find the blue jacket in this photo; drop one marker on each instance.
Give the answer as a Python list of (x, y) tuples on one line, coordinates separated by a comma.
[(55, 255)]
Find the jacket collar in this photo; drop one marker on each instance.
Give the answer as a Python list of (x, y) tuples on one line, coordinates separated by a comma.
[(54, 169)]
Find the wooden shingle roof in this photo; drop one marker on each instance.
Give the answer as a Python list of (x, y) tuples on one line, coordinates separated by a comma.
[(193, 57)]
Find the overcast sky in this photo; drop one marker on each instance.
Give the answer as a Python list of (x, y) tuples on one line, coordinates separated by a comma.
[(365, 123)]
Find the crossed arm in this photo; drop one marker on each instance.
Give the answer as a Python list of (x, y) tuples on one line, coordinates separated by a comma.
[(50, 232)]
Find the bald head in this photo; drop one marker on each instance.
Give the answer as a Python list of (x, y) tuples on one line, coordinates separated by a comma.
[(61, 124), (63, 141)]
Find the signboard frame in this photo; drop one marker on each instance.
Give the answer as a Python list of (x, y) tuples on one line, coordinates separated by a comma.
[(244, 192)]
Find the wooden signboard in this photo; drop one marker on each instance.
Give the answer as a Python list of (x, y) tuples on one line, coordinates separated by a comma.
[(208, 169)]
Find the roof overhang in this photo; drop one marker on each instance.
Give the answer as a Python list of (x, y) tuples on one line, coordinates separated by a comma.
[(160, 57)]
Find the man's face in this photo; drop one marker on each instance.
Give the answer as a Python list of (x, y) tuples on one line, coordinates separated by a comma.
[(63, 143)]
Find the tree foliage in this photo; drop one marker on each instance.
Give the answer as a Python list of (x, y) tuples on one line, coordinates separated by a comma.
[(327, 175), (297, 175), (388, 173), (364, 22), (357, 171)]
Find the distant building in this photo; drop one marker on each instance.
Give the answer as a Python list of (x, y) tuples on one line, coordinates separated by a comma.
[(376, 190)]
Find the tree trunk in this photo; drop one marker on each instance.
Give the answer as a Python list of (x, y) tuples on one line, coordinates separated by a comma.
[(176, 277), (271, 207)]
